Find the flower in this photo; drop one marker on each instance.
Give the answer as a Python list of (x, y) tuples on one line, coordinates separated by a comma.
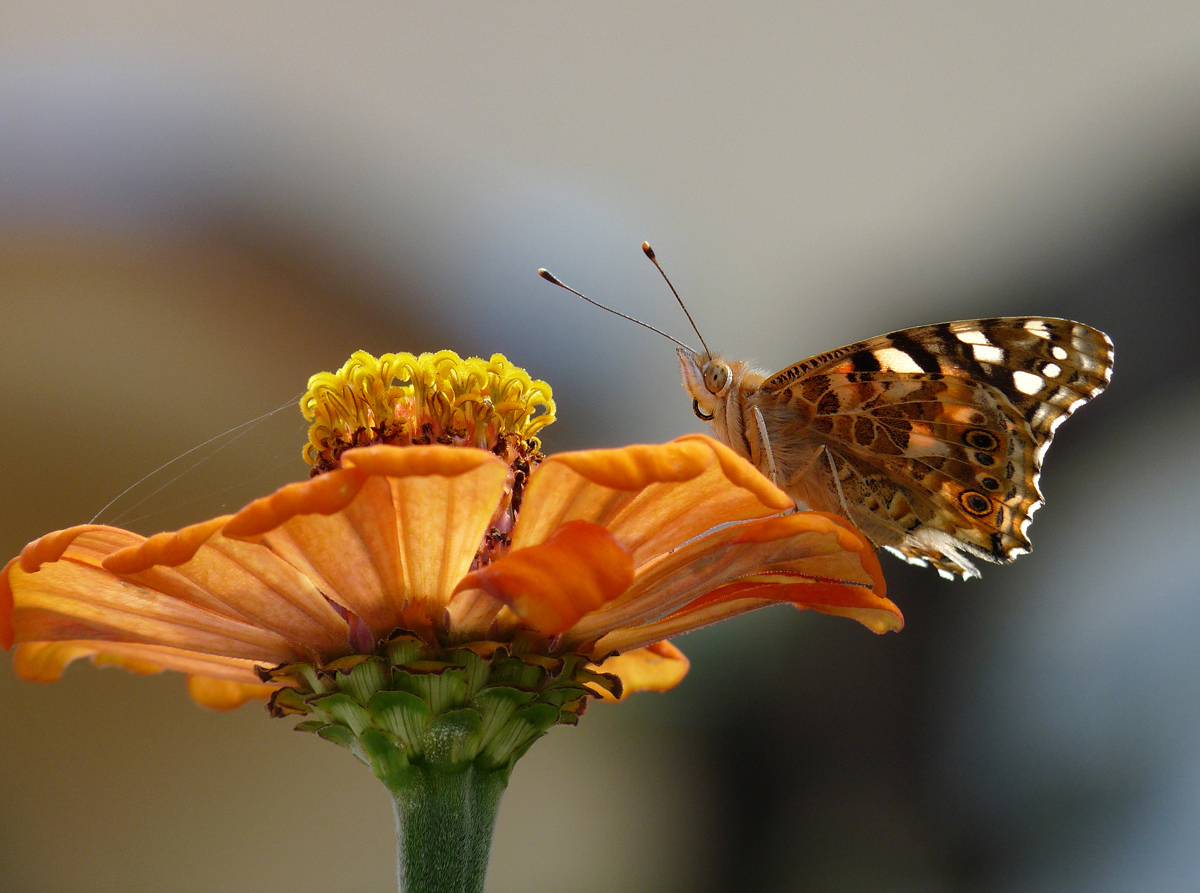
[(435, 536)]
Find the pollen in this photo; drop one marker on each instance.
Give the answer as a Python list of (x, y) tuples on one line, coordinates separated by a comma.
[(402, 399)]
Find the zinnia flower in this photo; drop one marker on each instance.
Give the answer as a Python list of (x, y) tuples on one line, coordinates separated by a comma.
[(439, 593)]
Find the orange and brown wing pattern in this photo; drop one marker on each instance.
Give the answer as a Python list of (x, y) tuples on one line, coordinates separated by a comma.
[(936, 435)]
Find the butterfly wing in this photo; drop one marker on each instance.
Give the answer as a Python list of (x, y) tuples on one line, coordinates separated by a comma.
[(932, 439)]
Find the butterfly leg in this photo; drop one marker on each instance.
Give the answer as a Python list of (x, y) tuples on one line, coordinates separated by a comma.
[(766, 446), (837, 481)]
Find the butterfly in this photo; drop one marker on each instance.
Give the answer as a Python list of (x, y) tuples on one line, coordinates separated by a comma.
[(929, 440)]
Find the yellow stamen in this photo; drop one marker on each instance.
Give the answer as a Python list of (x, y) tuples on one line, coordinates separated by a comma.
[(432, 398)]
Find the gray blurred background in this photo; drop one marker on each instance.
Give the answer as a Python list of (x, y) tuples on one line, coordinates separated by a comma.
[(203, 204)]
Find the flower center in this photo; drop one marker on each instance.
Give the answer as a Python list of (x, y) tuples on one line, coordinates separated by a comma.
[(403, 400)]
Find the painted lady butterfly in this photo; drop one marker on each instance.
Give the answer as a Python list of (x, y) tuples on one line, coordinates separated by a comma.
[(930, 440)]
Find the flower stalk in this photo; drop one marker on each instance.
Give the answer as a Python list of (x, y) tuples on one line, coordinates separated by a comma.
[(444, 824), (442, 729)]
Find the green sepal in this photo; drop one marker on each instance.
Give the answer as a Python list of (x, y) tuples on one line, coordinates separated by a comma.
[(526, 726), (443, 686), (452, 739), (402, 714), (287, 702), (552, 665), (517, 673), (387, 759), (345, 664), (339, 707), (309, 725), (302, 674), (403, 648), (562, 694), (477, 669), (338, 735), (496, 705), (364, 679)]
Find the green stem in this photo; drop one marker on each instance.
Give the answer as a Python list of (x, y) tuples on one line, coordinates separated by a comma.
[(444, 824)]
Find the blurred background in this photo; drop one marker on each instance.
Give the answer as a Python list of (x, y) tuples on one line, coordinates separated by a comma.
[(203, 204)]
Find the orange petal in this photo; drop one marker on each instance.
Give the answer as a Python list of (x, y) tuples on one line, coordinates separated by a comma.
[(221, 694), (69, 595), (6, 606), (406, 534), (170, 548), (878, 614), (809, 545), (325, 494), (236, 579), (45, 661), (651, 498), (657, 667), (551, 585)]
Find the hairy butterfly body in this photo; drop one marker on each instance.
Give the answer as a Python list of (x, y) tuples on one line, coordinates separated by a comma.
[(930, 440)]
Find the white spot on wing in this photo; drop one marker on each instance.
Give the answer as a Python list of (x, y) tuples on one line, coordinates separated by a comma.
[(1060, 353), (1037, 327), (972, 336), (895, 360), (1052, 370), (988, 354), (1027, 382), (1039, 416)]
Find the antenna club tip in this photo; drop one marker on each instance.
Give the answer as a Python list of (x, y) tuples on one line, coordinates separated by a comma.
[(547, 275), (649, 252)]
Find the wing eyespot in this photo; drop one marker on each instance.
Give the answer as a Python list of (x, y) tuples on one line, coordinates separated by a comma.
[(975, 503), (979, 439)]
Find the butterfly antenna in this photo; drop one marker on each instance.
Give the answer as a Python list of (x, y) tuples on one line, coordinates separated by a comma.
[(649, 252), (550, 277)]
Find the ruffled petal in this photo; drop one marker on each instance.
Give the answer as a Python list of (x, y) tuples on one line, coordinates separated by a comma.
[(807, 549), (45, 661), (551, 585), (398, 526), (60, 590), (652, 498), (657, 667), (222, 694), (880, 615)]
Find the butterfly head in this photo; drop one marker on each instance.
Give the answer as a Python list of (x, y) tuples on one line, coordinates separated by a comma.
[(707, 380)]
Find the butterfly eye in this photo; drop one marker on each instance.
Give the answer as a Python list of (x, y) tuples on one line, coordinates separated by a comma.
[(716, 377), (701, 416)]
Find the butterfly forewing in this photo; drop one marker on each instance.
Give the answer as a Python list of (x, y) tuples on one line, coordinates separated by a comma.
[(936, 434)]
